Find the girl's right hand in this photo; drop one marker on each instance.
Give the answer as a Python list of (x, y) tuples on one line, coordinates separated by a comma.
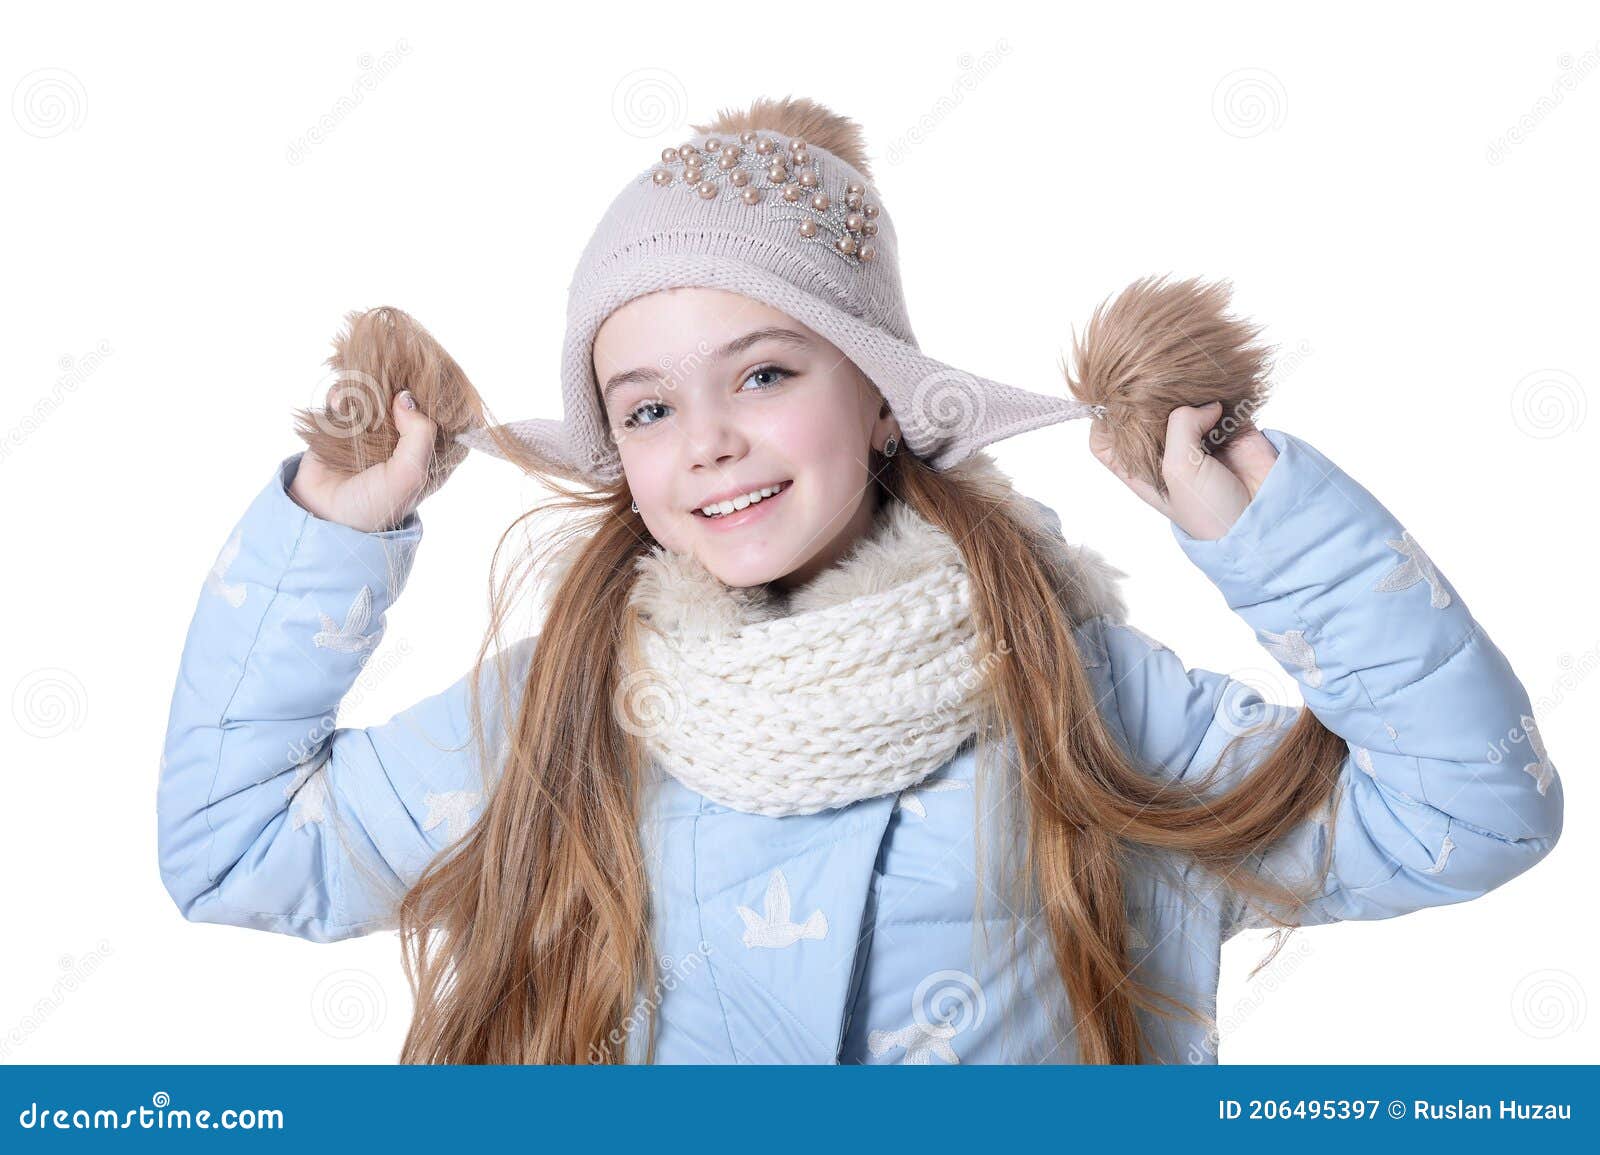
[(381, 496)]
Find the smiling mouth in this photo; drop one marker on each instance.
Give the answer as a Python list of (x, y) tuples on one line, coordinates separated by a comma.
[(783, 488)]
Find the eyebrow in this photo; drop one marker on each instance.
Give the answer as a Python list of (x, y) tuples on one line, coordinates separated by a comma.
[(735, 346)]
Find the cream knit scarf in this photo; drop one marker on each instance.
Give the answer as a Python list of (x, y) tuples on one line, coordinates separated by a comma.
[(859, 683)]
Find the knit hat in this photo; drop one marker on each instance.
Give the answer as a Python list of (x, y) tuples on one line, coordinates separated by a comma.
[(790, 219)]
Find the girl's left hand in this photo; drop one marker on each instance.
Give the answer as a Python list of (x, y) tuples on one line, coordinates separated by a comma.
[(1206, 492)]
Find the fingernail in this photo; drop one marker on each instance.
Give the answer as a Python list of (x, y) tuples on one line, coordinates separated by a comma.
[(407, 400)]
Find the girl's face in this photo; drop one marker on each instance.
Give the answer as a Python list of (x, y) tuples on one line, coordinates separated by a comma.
[(711, 395)]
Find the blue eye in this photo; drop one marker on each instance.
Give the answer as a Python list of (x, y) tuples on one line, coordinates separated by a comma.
[(778, 369), (632, 419)]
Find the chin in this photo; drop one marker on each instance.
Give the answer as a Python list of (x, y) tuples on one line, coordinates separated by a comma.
[(743, 573)]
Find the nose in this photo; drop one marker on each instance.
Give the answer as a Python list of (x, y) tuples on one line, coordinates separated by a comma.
[(714, 438)]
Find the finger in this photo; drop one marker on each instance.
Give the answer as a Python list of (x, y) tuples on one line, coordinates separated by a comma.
[(407, 469), (1187, 424), (1101, 448), (1184, 456)]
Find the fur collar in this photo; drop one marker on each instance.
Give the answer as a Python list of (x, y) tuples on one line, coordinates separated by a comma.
[(680, 595)]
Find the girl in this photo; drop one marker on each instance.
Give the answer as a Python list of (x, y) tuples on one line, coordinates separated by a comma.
[(829, 748)]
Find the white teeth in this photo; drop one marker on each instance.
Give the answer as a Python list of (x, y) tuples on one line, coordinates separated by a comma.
[(740, 502)]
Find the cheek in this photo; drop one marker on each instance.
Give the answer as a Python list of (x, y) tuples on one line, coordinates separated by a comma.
[(822, 446), (819, 429), (648, 473)]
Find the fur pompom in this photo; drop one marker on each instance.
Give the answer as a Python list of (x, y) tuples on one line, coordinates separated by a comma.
[(379, 353), (798, 116), (1157, 347)]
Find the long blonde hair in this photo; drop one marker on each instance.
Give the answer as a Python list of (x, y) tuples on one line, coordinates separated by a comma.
[(529, 940)]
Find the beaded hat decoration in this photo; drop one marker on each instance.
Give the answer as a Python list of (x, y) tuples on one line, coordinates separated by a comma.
[(798, 228), (761, 170)]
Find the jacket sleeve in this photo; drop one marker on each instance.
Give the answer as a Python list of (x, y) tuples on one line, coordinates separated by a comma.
[(270, 816), (1447, 790)]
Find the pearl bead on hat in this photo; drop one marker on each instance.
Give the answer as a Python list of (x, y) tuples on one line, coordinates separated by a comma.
[(762, 169)]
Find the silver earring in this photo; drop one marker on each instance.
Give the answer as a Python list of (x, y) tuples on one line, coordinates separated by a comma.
[(890, 446), (635, 507)]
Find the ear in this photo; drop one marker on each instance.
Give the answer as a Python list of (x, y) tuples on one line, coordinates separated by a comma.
[(1158, 347), (887, 425)]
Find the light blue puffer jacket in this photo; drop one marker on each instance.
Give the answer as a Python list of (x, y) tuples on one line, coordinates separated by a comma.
[(850, 935)]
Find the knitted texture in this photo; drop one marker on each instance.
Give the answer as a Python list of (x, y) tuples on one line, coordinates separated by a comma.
[(658, 236), (859, 683), (819, 708)]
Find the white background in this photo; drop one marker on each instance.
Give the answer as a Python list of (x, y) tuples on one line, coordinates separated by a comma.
[(1406, 198)]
